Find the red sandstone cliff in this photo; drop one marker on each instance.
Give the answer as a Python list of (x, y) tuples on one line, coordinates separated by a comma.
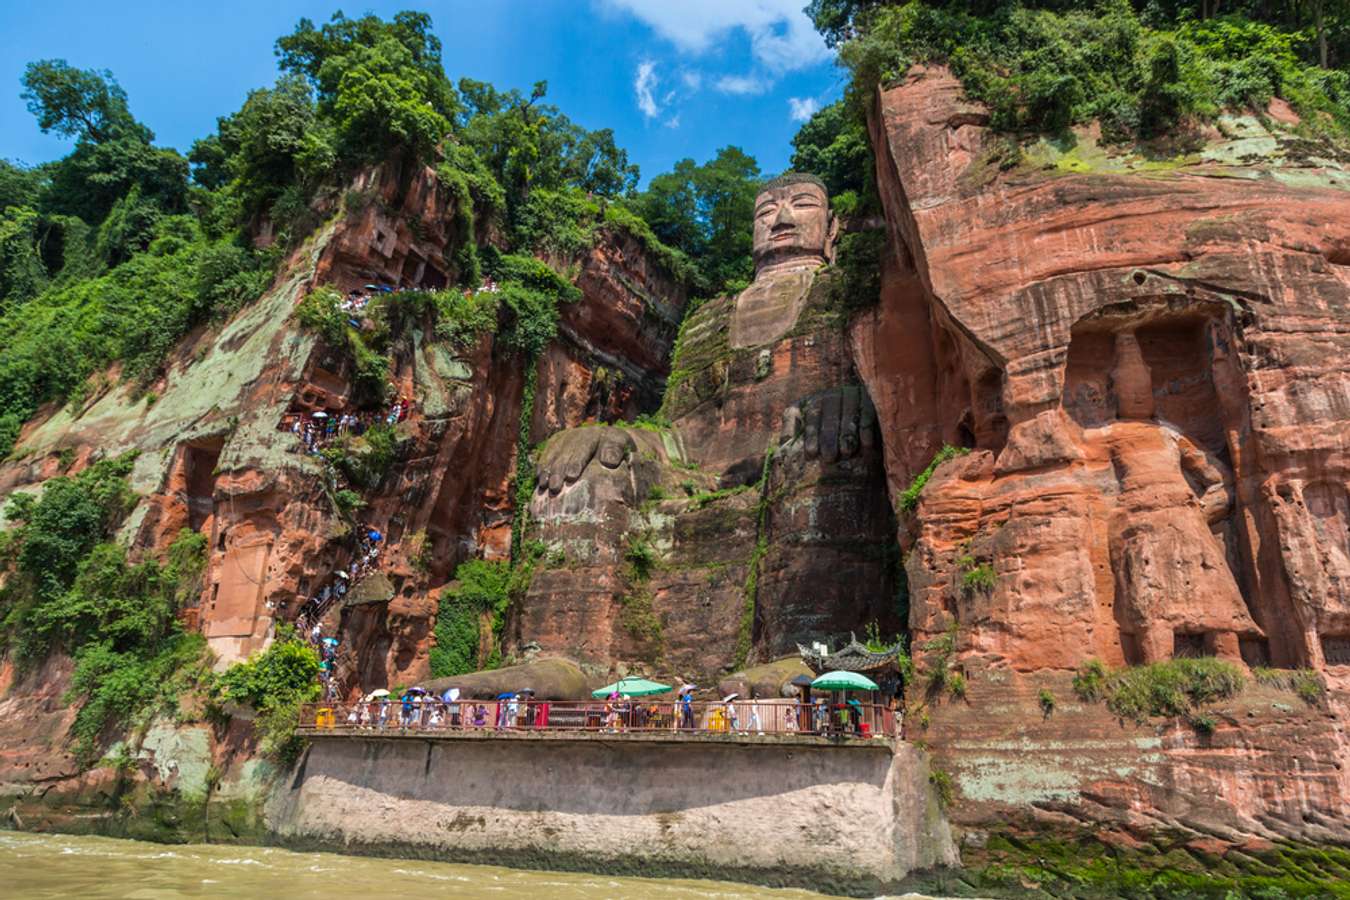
[(213, 457), (1151, 368)]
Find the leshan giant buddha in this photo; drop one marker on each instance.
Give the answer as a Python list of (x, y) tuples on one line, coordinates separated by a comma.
[(761, 513)]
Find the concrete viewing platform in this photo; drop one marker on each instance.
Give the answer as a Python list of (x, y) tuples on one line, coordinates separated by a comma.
[(762, 723)]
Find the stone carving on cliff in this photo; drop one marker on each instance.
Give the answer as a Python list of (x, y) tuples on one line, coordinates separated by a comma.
[(793, 237), (766, 407)]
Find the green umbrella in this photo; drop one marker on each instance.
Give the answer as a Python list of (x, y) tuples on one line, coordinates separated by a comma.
[(844, 681), (633, 687)]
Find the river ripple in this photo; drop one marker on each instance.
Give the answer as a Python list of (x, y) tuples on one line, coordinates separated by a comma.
[(56, 865)]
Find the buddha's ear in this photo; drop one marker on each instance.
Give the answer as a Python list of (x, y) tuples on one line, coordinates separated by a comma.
[(831, 238)]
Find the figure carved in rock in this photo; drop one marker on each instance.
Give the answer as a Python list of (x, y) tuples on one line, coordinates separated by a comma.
[(1175, 592), (768, 399), (793, 237)]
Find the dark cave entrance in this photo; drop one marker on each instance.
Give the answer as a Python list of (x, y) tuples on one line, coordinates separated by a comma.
[(199, 480)]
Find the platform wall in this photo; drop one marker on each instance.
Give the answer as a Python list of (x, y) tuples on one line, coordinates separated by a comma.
[(846, 819)]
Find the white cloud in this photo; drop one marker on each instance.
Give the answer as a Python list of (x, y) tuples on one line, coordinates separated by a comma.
[(643, 85), (782, 38), (744, 85), (802, 108), (673, 121), (693, 79)]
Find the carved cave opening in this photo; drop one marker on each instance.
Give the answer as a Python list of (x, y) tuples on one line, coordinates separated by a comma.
[(199, 478), (1192, 645), (1158, 361), (970, 392), (1255, 651), (1336, 649)]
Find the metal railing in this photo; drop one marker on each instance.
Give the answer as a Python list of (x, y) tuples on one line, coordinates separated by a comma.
[(633, 717)]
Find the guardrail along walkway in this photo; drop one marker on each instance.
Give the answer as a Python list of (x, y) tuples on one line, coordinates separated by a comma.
[(850, 721)]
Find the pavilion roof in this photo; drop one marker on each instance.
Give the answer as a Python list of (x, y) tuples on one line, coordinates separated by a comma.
[(852, 657)]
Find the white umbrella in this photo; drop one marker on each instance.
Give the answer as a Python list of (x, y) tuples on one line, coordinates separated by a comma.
[(381, 692), (729, 697), (320, 415)]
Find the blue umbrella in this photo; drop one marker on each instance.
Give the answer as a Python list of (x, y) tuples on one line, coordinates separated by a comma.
[(506, 696), (374, 535)]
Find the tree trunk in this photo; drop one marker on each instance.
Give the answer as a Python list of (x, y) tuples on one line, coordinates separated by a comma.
[(1321, 7)]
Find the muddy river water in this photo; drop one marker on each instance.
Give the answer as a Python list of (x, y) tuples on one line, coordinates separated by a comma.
[(54, 865)]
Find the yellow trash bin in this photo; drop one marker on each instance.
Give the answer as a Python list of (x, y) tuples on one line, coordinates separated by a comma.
[(324, 718)]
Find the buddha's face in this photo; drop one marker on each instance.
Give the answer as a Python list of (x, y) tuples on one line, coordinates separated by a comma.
[(792, 223)]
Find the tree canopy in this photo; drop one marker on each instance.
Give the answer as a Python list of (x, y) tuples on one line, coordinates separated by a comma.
[(113, 252), (705, 211), (1140, 67)]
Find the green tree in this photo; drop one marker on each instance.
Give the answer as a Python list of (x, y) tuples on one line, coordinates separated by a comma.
[(19, 185), (273, 142), (113, 152), (528, 145), (839, 20), (382, 103), (833, 145), (706, 212), (22, 273), (78, 103), (380, 83), (312, 52), (597, 165)]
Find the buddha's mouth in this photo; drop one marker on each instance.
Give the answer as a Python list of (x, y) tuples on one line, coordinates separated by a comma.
[(779, 236)]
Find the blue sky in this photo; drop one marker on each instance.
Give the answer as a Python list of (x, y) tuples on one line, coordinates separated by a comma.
[(673, 78)]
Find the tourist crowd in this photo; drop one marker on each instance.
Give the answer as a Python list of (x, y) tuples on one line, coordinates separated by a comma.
[(317, 430), (417, 709), (365, 558)]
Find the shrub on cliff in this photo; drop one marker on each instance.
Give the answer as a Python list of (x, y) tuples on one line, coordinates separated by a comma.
[(858, 259), (136, 312), (909, 497), (275, 683), (1177, 687), (481, 587), (70, 588), (287, 667)]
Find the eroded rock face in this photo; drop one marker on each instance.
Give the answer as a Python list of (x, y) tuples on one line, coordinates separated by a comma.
[(1152, 375), (212, 458)]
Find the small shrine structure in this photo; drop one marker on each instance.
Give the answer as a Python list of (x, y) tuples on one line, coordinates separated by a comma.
[(882, 666)]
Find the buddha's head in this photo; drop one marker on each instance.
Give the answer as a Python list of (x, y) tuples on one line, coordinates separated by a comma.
[(792, 223)]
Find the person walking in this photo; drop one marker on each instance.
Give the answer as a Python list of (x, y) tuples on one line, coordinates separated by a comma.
[(687, 710), (755, 725)]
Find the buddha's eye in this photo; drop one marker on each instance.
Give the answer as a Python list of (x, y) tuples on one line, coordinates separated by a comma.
[(805, 203), (765, 211)]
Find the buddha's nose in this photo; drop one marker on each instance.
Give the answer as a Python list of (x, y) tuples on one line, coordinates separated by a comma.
[(785, 216)]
